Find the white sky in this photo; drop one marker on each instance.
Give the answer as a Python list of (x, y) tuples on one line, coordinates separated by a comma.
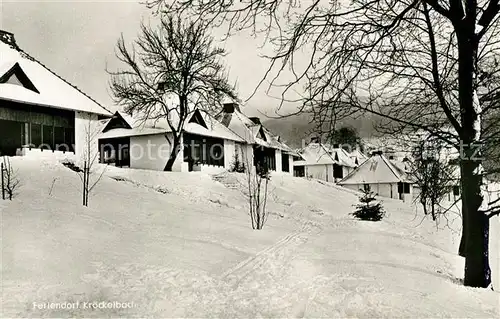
[(77, 38)]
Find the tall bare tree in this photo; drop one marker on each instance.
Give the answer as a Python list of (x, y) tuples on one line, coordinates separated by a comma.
[(171, 70), (419, 64)]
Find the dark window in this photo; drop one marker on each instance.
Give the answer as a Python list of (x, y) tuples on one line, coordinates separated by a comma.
[(10, 137), (299, 171), (338, 172), (59, 142), (366, 187), (203, 150), (36, 135), (115, 151), (48, 137), (285, 164), (456, 190), (403, 188), (69, 138)]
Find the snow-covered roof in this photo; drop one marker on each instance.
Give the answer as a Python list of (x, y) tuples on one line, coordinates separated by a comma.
[(251, 132), (315, 154), (53, 90), (377, 169), (213, 128), (358, 157), (321, 154), (342, 157), (160, 126)]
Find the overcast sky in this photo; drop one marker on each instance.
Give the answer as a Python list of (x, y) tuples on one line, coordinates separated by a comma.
[(77, 38)]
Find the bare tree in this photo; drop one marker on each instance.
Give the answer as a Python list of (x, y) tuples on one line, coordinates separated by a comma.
[(175, 69), (10, 180), (418, 64), (257, 179), (434, 176), (91, 173)]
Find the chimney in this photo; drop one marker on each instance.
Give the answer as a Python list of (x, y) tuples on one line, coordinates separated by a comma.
[(231, 107), (8, 38), (256, 120)]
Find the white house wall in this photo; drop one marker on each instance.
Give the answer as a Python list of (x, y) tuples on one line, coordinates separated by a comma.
[(277, 155), (229, 153), (329, 173), (152, 152), (346, 170), (388, 190), (247, 155), (290, 164), (86, 131), (321, 171)]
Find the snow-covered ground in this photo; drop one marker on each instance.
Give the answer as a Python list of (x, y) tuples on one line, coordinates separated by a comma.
[(181, 245)]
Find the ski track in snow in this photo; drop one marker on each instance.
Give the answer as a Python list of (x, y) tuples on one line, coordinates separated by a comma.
[(252, 264)]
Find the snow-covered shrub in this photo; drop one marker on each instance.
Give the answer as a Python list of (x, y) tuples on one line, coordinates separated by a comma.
[(369, 208)]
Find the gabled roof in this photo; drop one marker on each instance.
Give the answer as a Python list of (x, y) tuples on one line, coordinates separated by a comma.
[(40, 85), (117, 121), (209, 126), (342, 157), (316, 154), (377, 169), (17, 76), (198, 122), (251, 132), (319, 153), (241, 125), (358, 157)]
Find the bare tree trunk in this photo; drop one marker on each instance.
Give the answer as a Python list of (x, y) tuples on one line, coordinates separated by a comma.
[(84, 183), (173, 154), (474, 243), (433, 210), (475, 236)]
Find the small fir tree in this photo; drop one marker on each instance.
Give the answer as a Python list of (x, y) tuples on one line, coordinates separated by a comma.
[(369, 208)]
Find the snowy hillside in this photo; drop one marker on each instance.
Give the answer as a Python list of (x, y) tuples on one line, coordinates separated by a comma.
[(181, 245)]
